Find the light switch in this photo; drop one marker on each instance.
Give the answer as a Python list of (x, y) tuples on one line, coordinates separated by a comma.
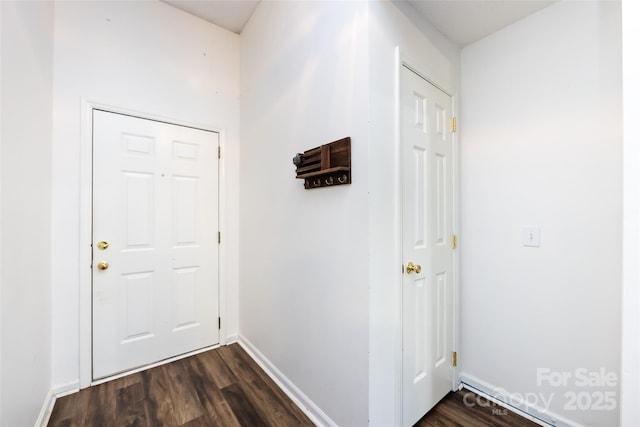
[(531, 236)]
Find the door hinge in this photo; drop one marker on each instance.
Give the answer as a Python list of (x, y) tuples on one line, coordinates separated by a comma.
[(454, 241), (219, 323), (454, 359), (219, 237), (219, 152), (454, 125)]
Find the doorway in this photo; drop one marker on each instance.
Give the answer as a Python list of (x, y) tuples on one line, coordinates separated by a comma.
[(155, 249), (427, 245)]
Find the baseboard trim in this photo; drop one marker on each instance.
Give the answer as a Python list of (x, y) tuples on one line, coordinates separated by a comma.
[(306, 405), (66, 389), (50, 401), (45, 411), (510, 401)]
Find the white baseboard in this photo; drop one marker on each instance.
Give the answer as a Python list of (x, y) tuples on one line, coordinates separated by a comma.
[(66, 389), (310, 409), (45, 411), (50, 401), (510, 401)]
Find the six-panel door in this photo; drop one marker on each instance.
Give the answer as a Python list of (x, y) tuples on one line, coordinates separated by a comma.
[(155, 208), (427, 214)]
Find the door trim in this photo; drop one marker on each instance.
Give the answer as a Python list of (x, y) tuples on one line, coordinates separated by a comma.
[(403, 60), (85, 253)]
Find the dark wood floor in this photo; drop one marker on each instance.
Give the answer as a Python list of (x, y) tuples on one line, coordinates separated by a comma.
[(464, 408), (225, 387), (222, 387)]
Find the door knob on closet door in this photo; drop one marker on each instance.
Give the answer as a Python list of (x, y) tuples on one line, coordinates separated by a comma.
[(413, 268), (103, 265)]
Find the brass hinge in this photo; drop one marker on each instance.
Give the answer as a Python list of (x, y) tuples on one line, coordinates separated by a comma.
[(454, 359), (219, 237), (454, 241), (219, 323), (454, 125), (219, 152)]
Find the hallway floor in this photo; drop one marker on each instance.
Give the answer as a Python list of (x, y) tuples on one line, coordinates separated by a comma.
[(225, 387), (221, 387)]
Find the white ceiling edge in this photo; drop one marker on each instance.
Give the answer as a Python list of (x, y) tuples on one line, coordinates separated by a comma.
[(232, 15), (467, 21), (461, 21)]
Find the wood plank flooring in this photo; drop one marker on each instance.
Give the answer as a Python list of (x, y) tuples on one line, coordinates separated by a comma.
[(221, 387), (225, 387), (464, 408)]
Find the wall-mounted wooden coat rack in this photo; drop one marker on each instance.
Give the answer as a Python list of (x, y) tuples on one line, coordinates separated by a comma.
[(325, 166)]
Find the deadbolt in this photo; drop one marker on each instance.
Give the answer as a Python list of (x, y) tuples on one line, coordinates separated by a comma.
[(103, 265), (413, 268), (103, 245)]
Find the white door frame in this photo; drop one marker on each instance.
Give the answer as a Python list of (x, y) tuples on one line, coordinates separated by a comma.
[(402, 60), (86, 197)]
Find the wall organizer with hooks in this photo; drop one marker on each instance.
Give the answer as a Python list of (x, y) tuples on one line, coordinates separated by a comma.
[(325, 166)]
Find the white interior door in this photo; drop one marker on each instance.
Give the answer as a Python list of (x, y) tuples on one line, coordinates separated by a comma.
[(427, 293), (155, 241)]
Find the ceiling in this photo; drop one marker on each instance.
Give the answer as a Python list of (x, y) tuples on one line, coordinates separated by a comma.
[(229, 14), (461, 21), (467, 21)]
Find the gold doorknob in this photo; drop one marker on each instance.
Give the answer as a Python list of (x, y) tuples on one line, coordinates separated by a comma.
[(103, 265), (103, 245), (413, 268)]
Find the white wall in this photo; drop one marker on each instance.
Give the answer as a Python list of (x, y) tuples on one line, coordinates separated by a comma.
[(392, 26), (630, 387), (147, 57), (304, 273), (25, 197), (542, 146)]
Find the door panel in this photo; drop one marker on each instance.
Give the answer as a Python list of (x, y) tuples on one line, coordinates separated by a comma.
[(427, 229), (155, 201)]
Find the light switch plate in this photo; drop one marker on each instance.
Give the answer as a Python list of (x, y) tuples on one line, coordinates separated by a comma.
[(531, 236)]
